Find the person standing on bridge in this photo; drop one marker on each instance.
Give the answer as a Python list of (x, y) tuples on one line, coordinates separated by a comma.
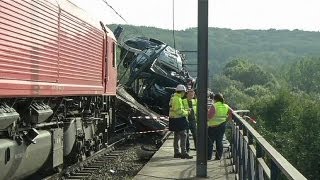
[(178, 122), (218, 114), (190, 102)]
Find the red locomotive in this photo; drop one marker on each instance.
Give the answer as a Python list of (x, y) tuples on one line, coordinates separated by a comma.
[(57, 85)]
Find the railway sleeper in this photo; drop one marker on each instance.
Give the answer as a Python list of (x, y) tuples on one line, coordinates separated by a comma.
[(102, 159), (104, 162), (93, 167), (81, 174), (99, 164), (89, 169), (112, 155), (77, 177)]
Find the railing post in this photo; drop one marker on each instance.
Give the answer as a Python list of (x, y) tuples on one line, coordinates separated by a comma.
[(275, 171), (259, 155), (233, 151), (233, 147), (241, 152), (237, 149), (245, 152), (249, 167)]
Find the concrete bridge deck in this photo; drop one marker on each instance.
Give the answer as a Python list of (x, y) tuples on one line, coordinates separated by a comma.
[(164, 166)]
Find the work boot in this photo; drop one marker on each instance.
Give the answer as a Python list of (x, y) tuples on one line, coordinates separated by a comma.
[(217, 157), (177, 155), (186, 156)]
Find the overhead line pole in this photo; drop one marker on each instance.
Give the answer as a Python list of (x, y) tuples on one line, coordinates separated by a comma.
[(202, 133), (174, 39)]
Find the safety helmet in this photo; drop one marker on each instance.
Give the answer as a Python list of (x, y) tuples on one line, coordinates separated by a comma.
[(218, 97), (181, 87)]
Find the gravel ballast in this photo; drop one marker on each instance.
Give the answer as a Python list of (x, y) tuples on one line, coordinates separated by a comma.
[(135, 153)]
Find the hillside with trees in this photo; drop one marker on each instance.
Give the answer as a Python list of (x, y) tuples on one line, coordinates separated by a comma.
[(269, 48)]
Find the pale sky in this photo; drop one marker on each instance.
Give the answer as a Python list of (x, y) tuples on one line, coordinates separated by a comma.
[(233, 14)]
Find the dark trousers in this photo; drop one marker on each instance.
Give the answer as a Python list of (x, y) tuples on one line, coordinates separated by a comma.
[(215, 134), (182, 137), (192, 128)]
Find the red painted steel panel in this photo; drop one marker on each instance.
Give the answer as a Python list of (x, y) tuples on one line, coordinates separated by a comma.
[(47, 51), (81, 51), (28, 43)]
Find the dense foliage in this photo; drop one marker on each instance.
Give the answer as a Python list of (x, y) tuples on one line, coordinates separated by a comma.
[(291, 122), (275, 74), (305, 75)]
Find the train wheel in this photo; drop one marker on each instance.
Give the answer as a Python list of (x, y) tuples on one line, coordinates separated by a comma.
[(58, 169), (82, 156)]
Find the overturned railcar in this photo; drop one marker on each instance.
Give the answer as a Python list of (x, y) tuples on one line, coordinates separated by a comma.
[(155, 69)]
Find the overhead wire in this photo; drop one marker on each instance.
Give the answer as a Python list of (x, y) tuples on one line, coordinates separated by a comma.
[(118, 14), (115, 11)]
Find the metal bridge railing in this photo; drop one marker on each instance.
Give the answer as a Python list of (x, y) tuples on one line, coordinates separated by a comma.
[(250, 151)]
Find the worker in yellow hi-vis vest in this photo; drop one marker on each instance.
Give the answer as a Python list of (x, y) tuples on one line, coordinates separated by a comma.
[(218, 115), (178, 122), (190, 103)]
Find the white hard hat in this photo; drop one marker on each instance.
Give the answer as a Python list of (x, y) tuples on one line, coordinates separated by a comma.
[(181, 87)]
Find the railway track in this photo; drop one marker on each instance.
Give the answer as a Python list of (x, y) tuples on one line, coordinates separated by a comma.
[(106, 160), (92, 164)]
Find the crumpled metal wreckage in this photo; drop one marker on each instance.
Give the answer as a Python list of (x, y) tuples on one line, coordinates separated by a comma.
[(155, 69)]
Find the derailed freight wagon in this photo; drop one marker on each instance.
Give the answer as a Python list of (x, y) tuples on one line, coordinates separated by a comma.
[(155, 69), (57, 85)]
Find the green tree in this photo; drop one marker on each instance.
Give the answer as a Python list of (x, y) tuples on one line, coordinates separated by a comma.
[(290, 122), (236, 98), (305, 75), (220, 83), (248, 73), (257, 91)]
